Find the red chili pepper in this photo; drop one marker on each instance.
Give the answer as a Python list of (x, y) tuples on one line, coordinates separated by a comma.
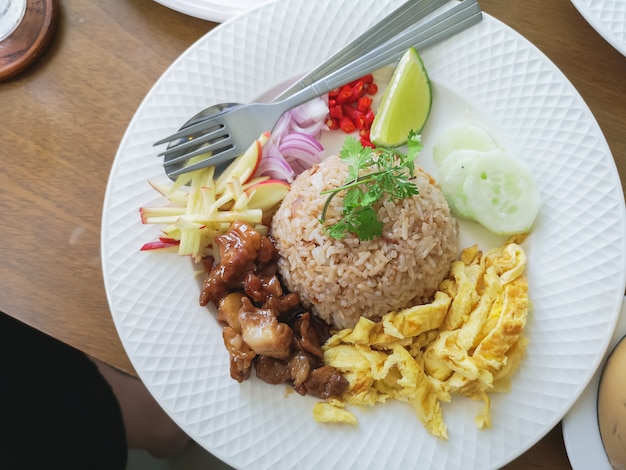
[(350, 109), (336, 112), (333, 124), (358, 90), (364, 103), (347, 125), (365, 139), (344, 95), (356, 116), (372, 89)]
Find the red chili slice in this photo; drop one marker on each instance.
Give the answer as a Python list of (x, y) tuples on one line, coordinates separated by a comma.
[(347, 125), (344, 95), (350, 109), (333, 124), (358, 90), (336, 112), (364, 103)]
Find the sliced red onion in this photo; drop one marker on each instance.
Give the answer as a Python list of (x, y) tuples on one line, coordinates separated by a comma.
[(303, 162), (293, 146), (310, 112), (283, 126), (298, 166), (300, 143), (312, 129), (301, 148), (275, 166)]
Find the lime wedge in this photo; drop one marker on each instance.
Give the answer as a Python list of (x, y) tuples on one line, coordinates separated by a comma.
[(405, 105)]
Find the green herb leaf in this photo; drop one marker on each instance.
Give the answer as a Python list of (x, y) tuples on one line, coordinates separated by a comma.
[(372, 175), (354, 155), (414, 145)]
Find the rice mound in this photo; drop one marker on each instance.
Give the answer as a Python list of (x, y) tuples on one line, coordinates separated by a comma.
[(343, 279)]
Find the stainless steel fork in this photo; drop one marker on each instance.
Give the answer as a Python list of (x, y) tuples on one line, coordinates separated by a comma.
[(230, 132)]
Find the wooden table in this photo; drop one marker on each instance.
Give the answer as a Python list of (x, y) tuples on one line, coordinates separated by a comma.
[(61, 122)]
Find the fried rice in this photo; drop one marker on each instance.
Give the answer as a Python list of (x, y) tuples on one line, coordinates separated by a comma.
[(343, 279)]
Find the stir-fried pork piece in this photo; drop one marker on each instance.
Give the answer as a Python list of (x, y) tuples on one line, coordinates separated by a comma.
[(326, 382), (262, 331), (268, 292), (309, 339), (266, 255), (228, 310), (271, 370), (299, 368), (283, 304), (238, 250), (259, 288), (241, 355)]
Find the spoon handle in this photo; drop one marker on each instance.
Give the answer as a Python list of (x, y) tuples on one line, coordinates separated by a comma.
[(394, 23), (457, 18)]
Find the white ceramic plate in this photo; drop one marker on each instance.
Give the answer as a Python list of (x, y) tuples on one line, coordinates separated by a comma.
[(212, 10), (580, 426), (608, 18), (576, 254)]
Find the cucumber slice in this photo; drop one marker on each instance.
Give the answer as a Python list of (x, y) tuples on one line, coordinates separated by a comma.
[(462, 136), (501, 194), (452, 175)]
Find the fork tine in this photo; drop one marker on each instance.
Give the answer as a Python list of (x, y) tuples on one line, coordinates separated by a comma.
[(218, 160), (194, 129), (213, 136), (220, 146)]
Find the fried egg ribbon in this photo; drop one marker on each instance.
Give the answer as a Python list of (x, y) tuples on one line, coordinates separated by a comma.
[(468, 341)]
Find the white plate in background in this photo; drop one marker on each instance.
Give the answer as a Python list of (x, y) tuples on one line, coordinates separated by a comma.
[(608, 18), (576, 254), (212, 10), (580, 426)]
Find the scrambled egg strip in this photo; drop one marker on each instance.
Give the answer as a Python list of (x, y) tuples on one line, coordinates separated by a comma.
[(468, 341)]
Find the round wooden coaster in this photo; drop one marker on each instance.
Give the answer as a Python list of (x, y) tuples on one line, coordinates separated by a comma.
[(31, 37)]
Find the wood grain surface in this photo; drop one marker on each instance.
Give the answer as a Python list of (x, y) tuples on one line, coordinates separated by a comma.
[(62, 119), (61, 122)]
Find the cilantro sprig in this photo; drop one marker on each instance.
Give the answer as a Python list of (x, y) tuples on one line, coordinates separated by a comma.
[(373, 174)]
